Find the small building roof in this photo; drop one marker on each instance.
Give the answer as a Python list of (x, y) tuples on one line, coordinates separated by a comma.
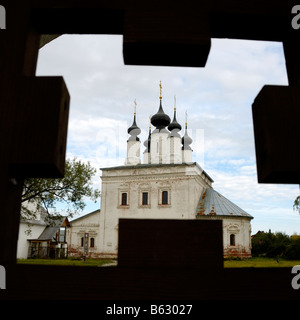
[(85, 215), (50, 231), (212, 203)]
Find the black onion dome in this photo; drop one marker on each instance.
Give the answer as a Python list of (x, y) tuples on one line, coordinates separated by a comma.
[(134, 129), (186, 141), (174, 124), (160, 120)]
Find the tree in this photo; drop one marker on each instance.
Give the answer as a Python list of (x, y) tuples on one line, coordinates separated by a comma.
[(296, 205), (72, 190), (271, 245)]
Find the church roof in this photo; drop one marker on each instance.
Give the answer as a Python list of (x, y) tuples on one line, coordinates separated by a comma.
[(212, 203)]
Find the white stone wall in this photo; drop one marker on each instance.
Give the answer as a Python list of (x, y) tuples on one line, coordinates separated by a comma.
[(88, 224), (27, 232), (30, 229), (133, 152), (175, 150), (187, 156), (160, 147), (240, 227), (183, 183)]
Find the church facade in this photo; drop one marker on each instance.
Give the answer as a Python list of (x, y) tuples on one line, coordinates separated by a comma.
[(167, 185)]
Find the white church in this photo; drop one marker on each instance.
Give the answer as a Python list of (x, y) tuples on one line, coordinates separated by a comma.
[(167, 185)]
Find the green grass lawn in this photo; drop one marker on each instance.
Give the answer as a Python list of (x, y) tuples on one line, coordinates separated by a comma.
[(67, 262), (252, 262), (260, 263)]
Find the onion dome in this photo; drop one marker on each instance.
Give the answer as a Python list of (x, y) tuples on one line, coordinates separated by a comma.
[(174, 126), (134, 130), (186, 139), (160, 120)]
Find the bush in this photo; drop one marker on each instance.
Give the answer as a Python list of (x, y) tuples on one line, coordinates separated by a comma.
[(292, 251), (278, 245)]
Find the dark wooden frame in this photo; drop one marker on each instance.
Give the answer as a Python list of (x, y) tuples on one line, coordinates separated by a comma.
[(154, 33)]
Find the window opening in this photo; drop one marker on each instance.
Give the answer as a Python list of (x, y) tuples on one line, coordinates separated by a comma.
[(164, 197), (145, 199), (124, 199), (232, 240), (92, 242)]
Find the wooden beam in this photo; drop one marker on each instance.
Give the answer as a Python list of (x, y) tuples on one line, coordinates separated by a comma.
[(174, 36), (77, 20), (291, 49), (276, 114), (183, 38), (41, 129), (18, 54), (148, 243)]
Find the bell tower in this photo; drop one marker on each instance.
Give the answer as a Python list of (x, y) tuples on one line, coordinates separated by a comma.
[(133, 143), (160, 144)]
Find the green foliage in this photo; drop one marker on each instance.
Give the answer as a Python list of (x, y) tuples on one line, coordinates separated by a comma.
[(72, 190), (296, 205), (276, 245), (293, 249)]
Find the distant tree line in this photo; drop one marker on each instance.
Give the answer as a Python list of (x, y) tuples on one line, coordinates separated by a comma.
[(276, 245)]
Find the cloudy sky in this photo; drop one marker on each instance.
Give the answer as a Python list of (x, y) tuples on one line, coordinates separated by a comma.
[(217, 99)]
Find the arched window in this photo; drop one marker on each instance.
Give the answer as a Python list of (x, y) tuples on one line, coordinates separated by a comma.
[(82, 241), (232, 239)]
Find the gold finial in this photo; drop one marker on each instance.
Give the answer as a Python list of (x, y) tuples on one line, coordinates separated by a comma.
[(175, 102), (160, 90), (185, 117), (134, 106), (150, 122)]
